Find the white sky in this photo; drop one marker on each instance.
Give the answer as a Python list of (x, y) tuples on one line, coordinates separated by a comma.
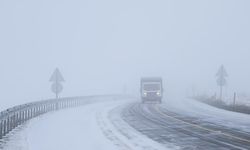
[(102, 45)]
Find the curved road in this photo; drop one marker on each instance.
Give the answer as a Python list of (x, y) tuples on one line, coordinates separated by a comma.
[(165, 127)]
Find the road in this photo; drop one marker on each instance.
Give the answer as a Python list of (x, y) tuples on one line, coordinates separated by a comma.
[(165, 127)]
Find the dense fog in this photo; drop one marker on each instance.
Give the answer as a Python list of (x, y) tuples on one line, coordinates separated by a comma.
[(104, 47)]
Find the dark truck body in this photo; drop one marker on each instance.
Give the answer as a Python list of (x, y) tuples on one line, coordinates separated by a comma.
[(151, 89)]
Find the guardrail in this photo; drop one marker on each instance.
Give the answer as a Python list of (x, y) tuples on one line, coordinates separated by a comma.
[(17, 115)]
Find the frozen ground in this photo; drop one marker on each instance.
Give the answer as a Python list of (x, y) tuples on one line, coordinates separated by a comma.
[(91, 127), (208, 113)]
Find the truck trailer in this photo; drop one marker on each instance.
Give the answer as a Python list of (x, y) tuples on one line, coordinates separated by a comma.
[(151, 89)]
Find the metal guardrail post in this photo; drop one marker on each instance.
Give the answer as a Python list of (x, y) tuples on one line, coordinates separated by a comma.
[(26, 114), (18, 118), (8, 124), (31, 112), (23, 116), (11, 122), (5, 127), (1, 129)]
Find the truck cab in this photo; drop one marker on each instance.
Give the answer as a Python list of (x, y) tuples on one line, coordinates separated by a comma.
[(151, 89)]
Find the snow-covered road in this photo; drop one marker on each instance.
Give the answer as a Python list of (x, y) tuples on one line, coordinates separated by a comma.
[(100, 125), (90, 127), (188, 124)]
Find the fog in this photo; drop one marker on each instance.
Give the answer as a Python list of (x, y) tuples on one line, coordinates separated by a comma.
[(102, 46)]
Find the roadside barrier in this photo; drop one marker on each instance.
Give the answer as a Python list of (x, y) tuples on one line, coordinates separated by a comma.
[(17, 115)]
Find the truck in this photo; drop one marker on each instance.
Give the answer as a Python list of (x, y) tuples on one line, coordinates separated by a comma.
[(151, 89)]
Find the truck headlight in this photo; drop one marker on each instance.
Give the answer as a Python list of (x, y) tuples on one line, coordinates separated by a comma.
[(145, 93), (158, 93)]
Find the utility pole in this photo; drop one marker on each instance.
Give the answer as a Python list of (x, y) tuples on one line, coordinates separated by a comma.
[(221, 79)]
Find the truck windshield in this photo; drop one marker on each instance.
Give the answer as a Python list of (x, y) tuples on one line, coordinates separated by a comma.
[(151, 87)]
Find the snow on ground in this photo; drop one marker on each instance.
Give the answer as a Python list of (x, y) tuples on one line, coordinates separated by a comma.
[(98, 126), (208, 113), (89, 127)]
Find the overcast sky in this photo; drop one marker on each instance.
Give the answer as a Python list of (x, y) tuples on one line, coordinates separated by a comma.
[(99, 46)]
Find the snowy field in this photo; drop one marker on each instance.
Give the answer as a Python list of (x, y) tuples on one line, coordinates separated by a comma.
[(209, 113)]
